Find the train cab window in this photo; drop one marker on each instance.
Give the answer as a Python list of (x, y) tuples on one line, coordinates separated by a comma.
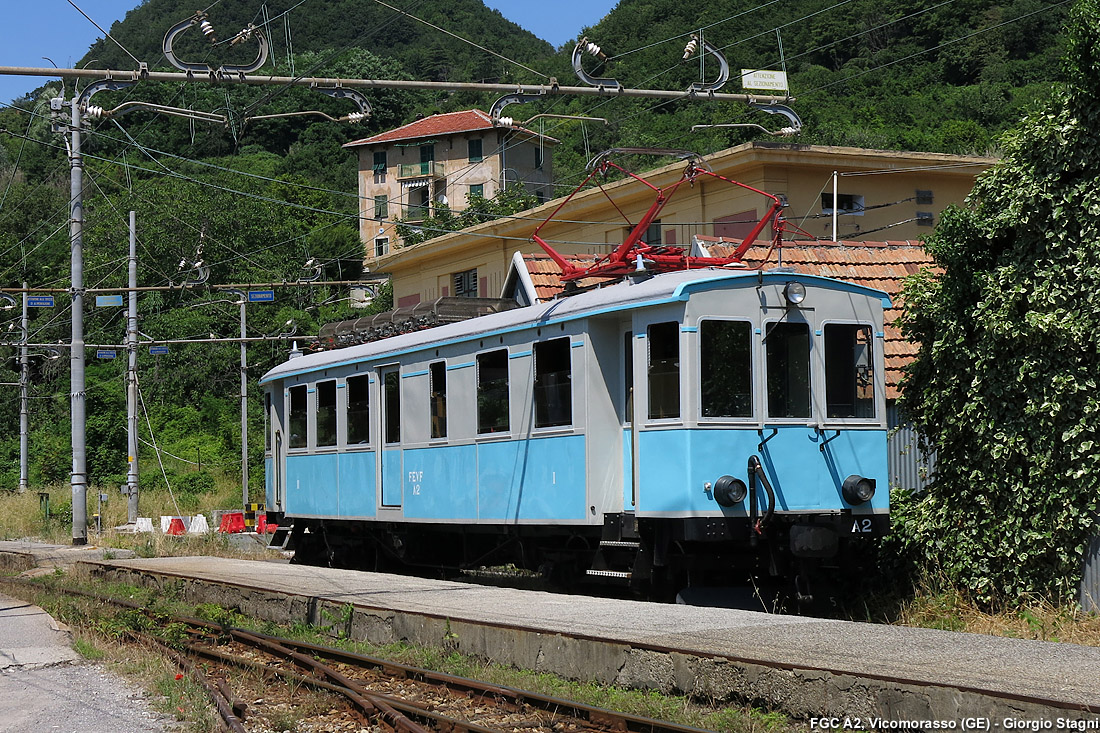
[(492, 392), (628, 377), (391, 405), (664, 370), (849, 383), (358, 415), (326, 413), (725, 356), (553, 384), (437, 374), (299, 416), (267, 422), (787, 348)]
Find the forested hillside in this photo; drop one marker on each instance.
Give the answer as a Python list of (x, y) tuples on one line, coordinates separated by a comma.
[(256, 199)]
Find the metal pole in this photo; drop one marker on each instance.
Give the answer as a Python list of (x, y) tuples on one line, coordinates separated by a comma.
[(24, 413), (131, 383), (244, 407), (76, 355)]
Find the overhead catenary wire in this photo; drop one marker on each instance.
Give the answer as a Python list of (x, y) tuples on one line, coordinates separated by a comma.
[(108, 35)]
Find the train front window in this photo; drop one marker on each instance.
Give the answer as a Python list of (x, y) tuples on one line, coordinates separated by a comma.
[(299, 417), (664, 370), (849, 377), (553, 389), (358, 415), (437, 374), (492, 392), (326, 413), (787, 348), (725, 372)]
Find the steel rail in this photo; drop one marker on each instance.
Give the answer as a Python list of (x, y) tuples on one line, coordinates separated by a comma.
[(221, 702), (551, 89)]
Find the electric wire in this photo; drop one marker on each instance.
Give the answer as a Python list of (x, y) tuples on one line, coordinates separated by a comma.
[(126, 50)]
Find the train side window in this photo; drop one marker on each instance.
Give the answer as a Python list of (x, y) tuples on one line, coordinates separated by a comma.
[(664, 370), (849, 382), (725, 355), (553, 384), (787, 348), (492, 392), (391, 405), (437, 374), (299, 417), (326, 413), (358, 422)]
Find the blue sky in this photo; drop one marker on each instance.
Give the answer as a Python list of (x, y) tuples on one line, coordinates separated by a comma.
[(32, 29)]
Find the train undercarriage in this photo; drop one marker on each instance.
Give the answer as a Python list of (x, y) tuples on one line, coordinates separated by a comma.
[(794, 562)]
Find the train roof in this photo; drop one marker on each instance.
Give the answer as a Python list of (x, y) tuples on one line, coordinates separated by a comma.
[(625, 295)]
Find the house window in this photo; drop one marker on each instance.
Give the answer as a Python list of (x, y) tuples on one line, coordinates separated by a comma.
[(381, 207), (379, 167), (652, 234), (540, 196), (846, 203), (437, 374), (477, 189), (466, 284), (381, 246), (358, 414), (664, 370), (298, 417), (326, 413), (553, 377), (475, 150), (725, 368), (849, 383), (788, 354), (492, 392)]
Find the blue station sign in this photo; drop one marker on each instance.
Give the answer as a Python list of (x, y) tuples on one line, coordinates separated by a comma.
[(158, 350), (105, 354), (107, 300), (40, 301), (261, 296)]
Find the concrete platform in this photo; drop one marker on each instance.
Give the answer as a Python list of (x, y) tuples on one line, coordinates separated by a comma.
[(803, 666)]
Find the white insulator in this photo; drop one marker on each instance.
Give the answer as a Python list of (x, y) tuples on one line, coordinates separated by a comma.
[(592, 48), (788, 132), (689, 49), (207, 29), (93, 112), (357, 117), (505, 121)]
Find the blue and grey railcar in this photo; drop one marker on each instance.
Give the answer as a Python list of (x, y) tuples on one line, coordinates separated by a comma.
[(658, 432)]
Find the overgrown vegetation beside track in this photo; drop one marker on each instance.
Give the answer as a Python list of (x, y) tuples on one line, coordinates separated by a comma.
[(101, 631)]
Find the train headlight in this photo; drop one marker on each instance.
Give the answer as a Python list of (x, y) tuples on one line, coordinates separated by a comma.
[(794, 292), (857, 489), (729, 491)]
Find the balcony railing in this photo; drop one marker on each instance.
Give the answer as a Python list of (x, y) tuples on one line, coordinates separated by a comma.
[(432, 168)]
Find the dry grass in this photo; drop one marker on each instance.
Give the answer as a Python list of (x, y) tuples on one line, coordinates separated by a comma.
[(22, 517)]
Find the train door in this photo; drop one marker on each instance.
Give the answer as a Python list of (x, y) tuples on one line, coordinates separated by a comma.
[(630, 431), (391, 479)]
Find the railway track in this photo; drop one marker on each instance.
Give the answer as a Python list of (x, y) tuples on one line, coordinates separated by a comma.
[(370, 692)]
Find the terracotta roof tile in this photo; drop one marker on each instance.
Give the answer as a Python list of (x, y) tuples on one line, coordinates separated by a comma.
[(879, 265), (449, 123)]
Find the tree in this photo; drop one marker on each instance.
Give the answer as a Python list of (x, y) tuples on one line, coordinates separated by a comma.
[(1005, 383)]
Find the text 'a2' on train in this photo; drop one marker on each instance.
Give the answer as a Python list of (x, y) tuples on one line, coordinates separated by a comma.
[(672, 420)]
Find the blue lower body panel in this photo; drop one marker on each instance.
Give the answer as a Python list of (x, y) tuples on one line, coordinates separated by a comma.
[(358, 485), (676, 465), (532, 479), (441, 483), (312, 485)]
